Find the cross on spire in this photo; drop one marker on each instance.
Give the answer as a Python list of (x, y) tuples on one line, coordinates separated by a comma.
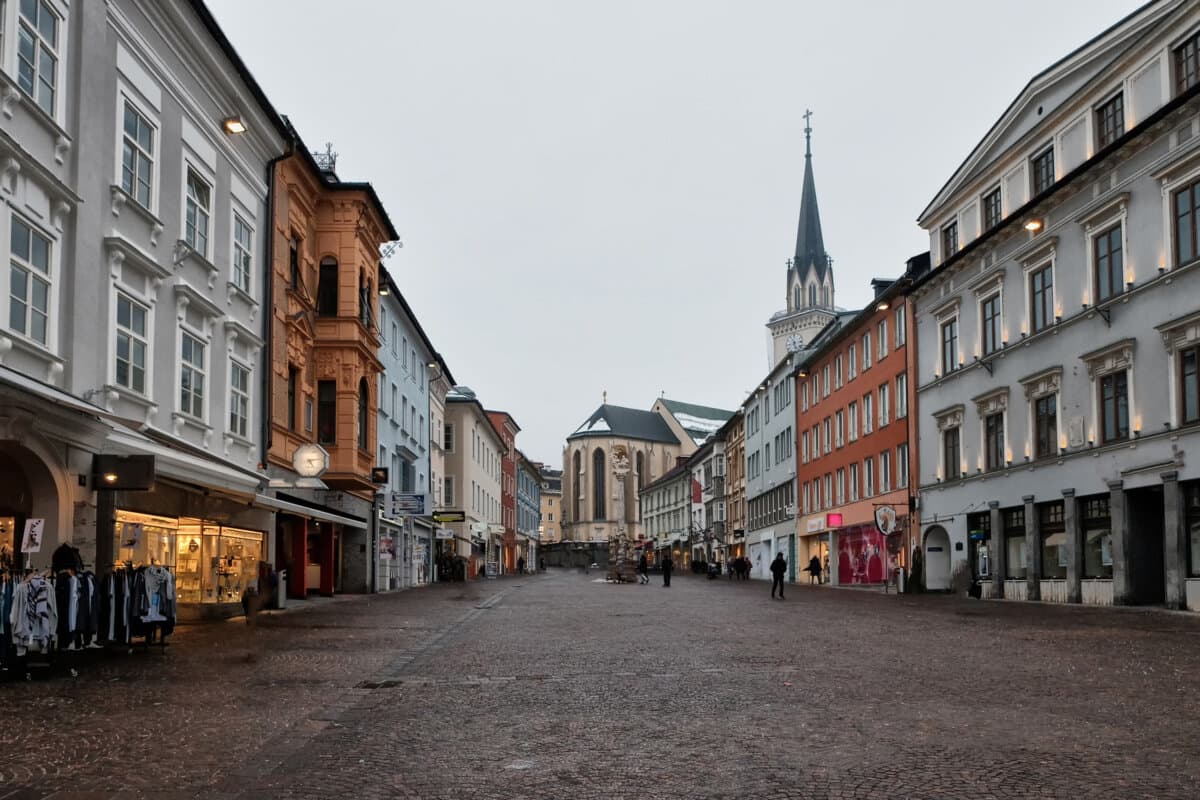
[(807, 133)]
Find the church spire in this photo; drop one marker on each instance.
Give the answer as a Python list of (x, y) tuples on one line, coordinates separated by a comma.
[(810, 246)]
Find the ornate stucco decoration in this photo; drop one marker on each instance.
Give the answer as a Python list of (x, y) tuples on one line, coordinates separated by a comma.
[(1040, 384)]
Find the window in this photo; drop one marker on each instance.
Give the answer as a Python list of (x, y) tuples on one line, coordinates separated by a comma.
[(989, 312), (1187, 64), (767, 456), (243, 246), (293, 376), (828, 494), (840, 487), (37, 53), (1110, 121), (868, 414), (902, 395), (838, 427), (1045, 425), (885, 471), (1053, 530), (852, 360), (308, 414), (1114, 406), (1042, 166), (852, 413), (29, 282), (866, 347), (901, 466), (901, 326), (804, 447), (198, 212), (1041, 298), (853, 482), (949, 240), (993, 439), (327, 288), (1014, 543), (807, 499), (827, 438), (825, 380), (881, 334), (131, 343), (239, 399), (1110, 269), (884, 405), (868, 475), (137, 156), (364, 404), (837, 371), (1097, 537), (326, 412), (951, 454), (294, 264), (1189, 374), (191, 376), (448, 490), (949, 346), (991, 209), (599, 511)]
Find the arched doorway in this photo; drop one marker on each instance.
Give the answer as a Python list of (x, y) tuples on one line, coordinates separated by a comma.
[(28, 490), (937, 559)]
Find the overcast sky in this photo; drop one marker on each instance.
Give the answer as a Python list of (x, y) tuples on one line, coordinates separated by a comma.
[(602, 196)]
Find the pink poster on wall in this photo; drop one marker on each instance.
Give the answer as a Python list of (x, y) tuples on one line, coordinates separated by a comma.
[(862, 555)]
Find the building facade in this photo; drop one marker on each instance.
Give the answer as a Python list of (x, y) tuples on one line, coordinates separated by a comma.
[(529, 512), (1058, 333), (666, 514), (474, 453), (853, 418), (446, 498), (508, 429), (734, 435), (550, 526)]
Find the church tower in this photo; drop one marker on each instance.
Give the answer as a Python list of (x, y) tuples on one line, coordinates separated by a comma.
[(809, 273)]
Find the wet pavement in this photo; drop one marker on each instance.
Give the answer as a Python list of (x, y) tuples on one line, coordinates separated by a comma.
[(560, 686)]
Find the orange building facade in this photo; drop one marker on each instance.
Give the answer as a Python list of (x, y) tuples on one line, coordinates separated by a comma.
[(853, 421), (508, 429), (325, 370)]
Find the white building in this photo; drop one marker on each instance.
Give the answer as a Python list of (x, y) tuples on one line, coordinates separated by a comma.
[(1058, 332)]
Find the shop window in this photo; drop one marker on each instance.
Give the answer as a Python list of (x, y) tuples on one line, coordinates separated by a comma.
[(979, 534), (1052, 528), (1097, 537), (1014, 544), (215, 564)]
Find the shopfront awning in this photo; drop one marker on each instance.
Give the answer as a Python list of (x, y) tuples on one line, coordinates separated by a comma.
[(39, 392), (275, 504), (183, 467)]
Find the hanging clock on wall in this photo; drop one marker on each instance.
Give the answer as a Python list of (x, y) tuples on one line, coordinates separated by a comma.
[(310, 460)]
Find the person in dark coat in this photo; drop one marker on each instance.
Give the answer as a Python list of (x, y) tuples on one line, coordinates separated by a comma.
[(667, 566), (643, 569), (778, 570), (521, 566), (814, 570)]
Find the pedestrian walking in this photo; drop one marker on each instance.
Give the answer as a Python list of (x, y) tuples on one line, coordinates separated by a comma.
[(521, 566), (667, 566), (778, 570), (814, 570), (643, 569)]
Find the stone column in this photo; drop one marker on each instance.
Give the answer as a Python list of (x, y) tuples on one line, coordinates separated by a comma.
[(1174, 542), (999, 552), (1033, 551), (1074, 547), (1122, 572)]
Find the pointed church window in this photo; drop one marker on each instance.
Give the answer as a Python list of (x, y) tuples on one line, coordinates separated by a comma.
[(812, 295)]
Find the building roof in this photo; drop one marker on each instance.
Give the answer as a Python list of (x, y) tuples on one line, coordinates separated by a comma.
[(625, 423), (699, 421), (674, 473)]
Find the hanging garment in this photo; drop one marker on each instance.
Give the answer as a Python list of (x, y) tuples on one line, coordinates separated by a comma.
[(34, 615)]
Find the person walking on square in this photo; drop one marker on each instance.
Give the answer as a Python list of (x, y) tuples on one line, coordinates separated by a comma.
[(667, 566), (778, 570), (643, 569), (814, 570)]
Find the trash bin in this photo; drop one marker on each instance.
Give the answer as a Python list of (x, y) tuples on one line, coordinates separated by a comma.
[(900, 580), (281, 589)]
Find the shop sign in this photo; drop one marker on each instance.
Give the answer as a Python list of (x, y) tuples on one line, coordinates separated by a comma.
[(31, 542), (387, 548), (833, 520), (404, 504), (444, 533), (977, 536), (815, 524), (885, 520), (450, 516)]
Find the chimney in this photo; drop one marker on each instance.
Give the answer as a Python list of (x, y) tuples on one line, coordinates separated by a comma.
[(881, 285), (681, 460)]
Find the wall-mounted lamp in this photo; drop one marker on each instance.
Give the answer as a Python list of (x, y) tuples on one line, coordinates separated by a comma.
[(110, 477), (1033, 225), (883, 306), (233, 125), (384, 291)]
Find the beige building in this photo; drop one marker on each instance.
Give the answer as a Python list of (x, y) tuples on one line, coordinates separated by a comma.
[(552, 511), (473, 463), (652, 440), (735, 451), (440, 382)]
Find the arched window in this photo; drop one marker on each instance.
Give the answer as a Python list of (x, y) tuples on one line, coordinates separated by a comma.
[(327, 288), (641, 471), (825, 299), (364, 402), (796, 298), (576, 477), (812, 295), (599, 506)]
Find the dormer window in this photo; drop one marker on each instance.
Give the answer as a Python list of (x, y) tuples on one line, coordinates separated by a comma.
[(1043, 170), (991, 209), (949, 240), (1110, 121)]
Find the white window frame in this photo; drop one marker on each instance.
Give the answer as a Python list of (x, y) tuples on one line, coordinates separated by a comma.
[(853, 476), (33, 273), (868, 477), (237, 395), (125, 98), (839, 426), (882, 344), (884, 404), (196, 167), (1092, 231), (840, 486), (866, 346), (901, 322), (203, 371), (837, 371), (241, 255), (868, 413), (825, 380), (852, 359), (144, 339), (902, 465), (902, 395), (39, 43), (885, 471), (852, 415)]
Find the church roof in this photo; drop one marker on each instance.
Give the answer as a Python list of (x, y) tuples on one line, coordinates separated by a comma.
[(810, 245), (699, 421), (619, 422)]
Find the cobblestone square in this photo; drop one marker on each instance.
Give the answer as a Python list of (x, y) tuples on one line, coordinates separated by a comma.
[(558, 686)]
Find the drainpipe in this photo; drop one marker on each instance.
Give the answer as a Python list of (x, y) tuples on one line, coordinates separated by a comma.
[(269, 306)]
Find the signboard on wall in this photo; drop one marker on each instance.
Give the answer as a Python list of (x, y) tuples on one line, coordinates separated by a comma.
[(31, 542), (404, 504), (387, 548)]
